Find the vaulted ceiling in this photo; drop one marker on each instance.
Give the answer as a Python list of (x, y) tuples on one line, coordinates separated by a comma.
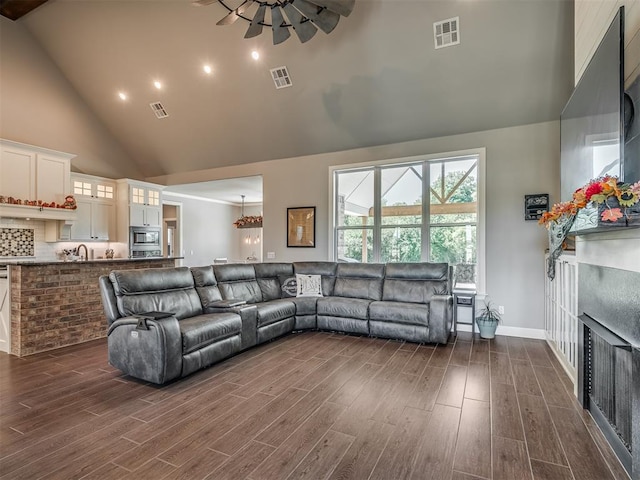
[(376, 79)]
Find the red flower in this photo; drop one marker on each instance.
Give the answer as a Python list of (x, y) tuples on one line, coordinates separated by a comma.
[(592, 189)]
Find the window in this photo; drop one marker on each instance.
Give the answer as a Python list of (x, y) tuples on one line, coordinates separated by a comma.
[(424, 210)]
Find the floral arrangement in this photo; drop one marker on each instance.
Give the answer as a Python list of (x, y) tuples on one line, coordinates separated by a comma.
[(597, 192), (248, 221)]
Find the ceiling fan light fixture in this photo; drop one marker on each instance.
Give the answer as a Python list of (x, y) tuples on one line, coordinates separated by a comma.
[(304, 16)]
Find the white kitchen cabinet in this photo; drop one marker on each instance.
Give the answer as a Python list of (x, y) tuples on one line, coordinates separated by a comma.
[(93, 221), (17, 172), (144, 216), (95, 198), (34, 173), (144, 195), (139, 204)]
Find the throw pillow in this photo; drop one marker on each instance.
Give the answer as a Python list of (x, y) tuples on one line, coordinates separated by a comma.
[(288, 286), (309, 285)]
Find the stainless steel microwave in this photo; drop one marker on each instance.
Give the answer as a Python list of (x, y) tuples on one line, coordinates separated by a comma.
[(144, 237)]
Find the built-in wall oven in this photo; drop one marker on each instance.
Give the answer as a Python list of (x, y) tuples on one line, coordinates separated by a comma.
[(144, 242)]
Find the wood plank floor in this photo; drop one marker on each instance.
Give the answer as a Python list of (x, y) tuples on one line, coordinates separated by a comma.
[(308, 406)]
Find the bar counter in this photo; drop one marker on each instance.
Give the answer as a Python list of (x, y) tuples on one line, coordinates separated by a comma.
[(56, 304)]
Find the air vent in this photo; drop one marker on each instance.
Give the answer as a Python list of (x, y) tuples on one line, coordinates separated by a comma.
[(447, 32), (159, 110), (281, 77)]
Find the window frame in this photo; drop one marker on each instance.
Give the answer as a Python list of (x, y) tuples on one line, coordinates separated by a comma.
[(377, 226)]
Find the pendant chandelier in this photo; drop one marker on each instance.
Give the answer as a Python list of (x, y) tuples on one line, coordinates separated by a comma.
[(304, 16), (247, 221)]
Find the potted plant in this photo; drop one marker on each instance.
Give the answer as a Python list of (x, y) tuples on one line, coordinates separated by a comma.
[(487, 320)]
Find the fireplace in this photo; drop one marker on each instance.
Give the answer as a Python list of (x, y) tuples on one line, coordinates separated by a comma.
[(609, 359)]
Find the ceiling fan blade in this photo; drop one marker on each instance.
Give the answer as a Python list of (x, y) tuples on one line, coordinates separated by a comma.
[(228, 19), (343, 7), (203, 3), (235, 14), (301, 25), (280, 32), (243, 7), (255, 28), (324, 19)]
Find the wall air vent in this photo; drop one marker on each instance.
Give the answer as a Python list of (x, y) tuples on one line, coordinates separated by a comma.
[(281, 77), (159, 110), (447, 32)]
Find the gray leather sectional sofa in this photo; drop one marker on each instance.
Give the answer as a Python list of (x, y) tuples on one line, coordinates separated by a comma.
[(169, 322)]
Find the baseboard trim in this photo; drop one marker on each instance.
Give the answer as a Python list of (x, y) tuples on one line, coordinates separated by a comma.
[(512, 331)]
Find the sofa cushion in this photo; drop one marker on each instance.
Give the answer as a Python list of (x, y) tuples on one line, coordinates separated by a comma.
[(400, 312), (308, 285), (267, 275), (325, 269), (415, 282), (202, 330), (156, 290), (288, 286), (305, 305), (344, 307), (359, 280), (238, 281), (206, 285), (274, 311)]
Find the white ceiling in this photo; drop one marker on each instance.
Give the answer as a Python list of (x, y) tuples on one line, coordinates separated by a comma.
[(376, 79)]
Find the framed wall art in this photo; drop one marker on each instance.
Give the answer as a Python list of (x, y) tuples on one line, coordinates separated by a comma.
[(301, 227), (535, 206)]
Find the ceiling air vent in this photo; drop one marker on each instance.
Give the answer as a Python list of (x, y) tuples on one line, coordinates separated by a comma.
[(159, 110), (447, 32), (281, 77)]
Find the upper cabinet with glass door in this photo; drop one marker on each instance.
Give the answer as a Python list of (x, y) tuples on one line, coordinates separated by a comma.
[(139, 205), (95, 198)]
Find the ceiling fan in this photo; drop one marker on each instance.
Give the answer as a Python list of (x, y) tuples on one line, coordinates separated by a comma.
[(304, 16)]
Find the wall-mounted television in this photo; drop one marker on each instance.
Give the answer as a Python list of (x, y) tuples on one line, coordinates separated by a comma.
[(592, 122)]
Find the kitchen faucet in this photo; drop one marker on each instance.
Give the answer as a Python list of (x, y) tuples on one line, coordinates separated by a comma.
[(86, 252)]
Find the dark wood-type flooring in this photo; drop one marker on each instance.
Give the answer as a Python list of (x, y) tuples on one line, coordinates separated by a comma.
[(307, 406)]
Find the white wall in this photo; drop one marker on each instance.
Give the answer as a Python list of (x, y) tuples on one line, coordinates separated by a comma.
[(592, 18), (38, 106), (520, 160), (207, 230)]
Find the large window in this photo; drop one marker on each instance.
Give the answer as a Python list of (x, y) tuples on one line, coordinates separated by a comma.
[(425, 210)]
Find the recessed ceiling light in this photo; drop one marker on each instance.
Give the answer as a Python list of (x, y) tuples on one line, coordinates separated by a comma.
[(157, 84), (122, 95), (255, 55), (207, 69)]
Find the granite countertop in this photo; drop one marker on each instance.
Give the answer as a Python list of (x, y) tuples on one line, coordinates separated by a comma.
[(35, 261)]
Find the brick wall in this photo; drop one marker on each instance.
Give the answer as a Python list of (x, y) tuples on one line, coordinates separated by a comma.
[(58, 304)]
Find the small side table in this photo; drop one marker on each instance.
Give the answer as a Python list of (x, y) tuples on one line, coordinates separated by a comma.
[(464, 298)]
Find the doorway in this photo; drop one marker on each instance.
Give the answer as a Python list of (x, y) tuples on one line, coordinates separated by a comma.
[(172, 229)]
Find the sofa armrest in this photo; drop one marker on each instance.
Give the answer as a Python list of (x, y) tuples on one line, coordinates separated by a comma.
[(229, 303), (153, 353), (440, 318), (249, 316)]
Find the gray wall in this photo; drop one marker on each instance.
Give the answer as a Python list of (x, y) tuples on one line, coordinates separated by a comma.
[(207, 230), (39, 106), (520, 160)]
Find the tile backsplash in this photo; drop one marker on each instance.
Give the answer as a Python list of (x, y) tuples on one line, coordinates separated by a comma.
[(17, 242), (48, 251), (39, 248)]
